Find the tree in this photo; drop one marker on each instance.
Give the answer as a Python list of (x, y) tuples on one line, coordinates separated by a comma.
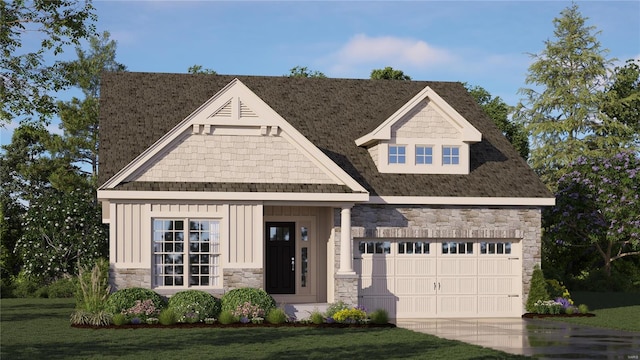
[(79, 118), (198, 69), (388, 73), (62, 232), (622, 99), (304, 72), (499, 112), (598, 207), (27, 78), (562, 113)]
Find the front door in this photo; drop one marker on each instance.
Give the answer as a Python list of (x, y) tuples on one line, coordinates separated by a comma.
[(280, 262)]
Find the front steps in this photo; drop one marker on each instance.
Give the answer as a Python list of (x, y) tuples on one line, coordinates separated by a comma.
[(302, 311)]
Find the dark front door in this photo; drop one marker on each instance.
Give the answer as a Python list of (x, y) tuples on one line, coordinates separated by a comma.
[(280, 262)]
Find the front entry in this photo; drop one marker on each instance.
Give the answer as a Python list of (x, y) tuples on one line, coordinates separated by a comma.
[(280, 260)]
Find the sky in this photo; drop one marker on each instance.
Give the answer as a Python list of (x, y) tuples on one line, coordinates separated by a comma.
[(484, 43)]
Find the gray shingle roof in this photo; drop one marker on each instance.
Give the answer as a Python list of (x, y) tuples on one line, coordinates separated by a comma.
[(136, 109)]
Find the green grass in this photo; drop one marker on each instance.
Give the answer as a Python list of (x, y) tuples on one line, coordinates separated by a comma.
[(620, 311), (39, 328)]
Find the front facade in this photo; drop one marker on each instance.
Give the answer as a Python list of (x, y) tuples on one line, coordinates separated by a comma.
[(389, 194)]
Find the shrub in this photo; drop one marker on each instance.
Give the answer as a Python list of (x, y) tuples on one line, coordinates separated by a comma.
[(6, 288), (379, 316), (249, 311), (93, 288), (316, 317), (42, 292), (334, 308), (142, 310), (350, 315), (119, 319), (232, 299), (276, 316), (126, 298), (583, 308), (24, 286), (538, 290), (83, 317), (226, 317), (167, 317), (62, 288), (195, 305)]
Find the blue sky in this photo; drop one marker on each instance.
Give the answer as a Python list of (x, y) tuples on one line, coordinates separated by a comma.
[(479, 42)]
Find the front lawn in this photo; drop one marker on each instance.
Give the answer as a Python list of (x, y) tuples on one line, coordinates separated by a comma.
[(619, 311), (40, 328)]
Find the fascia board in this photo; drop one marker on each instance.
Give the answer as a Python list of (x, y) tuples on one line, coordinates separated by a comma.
[(471, 201), (230, 196)]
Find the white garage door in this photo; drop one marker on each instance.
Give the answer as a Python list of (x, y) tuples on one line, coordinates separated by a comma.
[(444, 278)]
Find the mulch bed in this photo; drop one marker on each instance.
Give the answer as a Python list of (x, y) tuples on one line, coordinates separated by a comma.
[(534, 315), (236, 325)]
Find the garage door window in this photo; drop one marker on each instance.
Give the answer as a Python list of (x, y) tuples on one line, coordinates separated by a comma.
[(495, 248), (454, 247), (413, 247), (375, 247)]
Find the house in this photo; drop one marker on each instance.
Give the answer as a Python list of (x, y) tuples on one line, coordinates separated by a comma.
[(400, 195)]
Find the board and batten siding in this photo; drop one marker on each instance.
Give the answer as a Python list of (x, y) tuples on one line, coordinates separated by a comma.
[(130, 235), (245, 236)]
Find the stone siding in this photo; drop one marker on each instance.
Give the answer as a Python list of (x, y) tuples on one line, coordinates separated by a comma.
[(226, 158), (239, 278), (128, 278)]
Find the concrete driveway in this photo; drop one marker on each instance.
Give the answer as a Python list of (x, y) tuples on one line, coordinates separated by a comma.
[(533, 337)]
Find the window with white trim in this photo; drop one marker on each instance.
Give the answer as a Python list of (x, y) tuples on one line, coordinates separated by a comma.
[(397, 154), (186, 256), (424, 155), (413, 247), (374, 247), (450, 155), (456, 247), (497, 248)]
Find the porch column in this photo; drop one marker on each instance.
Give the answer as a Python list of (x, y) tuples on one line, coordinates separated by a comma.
[(346, 247)]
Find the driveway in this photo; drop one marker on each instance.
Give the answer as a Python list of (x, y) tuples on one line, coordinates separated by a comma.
[(533, 337)]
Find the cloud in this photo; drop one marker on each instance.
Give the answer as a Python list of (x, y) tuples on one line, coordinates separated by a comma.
[(387, 51)]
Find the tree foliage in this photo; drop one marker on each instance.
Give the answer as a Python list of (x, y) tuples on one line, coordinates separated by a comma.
[(622, 99), (598, 207), (304, 72), (562, 111), (62, 231), (499, 112), (27, 77), (198, 69), (388, 73)]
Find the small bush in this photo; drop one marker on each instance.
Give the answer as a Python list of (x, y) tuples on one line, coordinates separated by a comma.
[(316, 317), (119, 319), (583, 308), (249, 311), (142, 310), (42, 292), (83, 317), (226, 317), (379, 316), (335, 307), (236, 297), (538, 289), (276, 316), (24, 286), (196, 305), (62, 288), (167, 317), (349, 315), (6, 288), (126, 298)]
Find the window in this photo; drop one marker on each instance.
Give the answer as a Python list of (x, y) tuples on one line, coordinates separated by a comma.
[(375, 247), (453, 247), (450, 155), (424, 155), (186, 257), (418, 247), (397, 154), (495, 248)]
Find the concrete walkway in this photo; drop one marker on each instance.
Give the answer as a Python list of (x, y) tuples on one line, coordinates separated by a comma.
[(534, 337)]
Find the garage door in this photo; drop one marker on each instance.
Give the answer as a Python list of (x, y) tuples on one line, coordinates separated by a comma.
[(426, 278)]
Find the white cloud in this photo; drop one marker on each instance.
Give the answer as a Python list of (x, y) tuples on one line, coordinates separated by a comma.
[(387, 51)]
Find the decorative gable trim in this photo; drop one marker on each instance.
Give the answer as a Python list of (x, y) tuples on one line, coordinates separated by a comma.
[(383, 132), (236, 108)]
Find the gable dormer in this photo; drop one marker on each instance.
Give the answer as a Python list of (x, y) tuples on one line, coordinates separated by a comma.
[(425, 136)]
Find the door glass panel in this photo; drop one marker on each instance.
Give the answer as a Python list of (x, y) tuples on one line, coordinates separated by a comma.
[(304, 256), (304, 232)]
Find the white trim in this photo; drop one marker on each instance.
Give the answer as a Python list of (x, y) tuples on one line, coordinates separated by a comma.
[(449, 200), (230, 196), (383, 132), (236, 92)]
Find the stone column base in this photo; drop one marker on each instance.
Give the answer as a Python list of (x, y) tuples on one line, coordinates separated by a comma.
[(346, 288)]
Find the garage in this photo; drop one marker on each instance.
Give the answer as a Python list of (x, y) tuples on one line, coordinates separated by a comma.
[(427, 278)]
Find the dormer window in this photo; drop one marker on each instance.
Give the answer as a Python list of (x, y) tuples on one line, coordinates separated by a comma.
[(450, 155), (424, 155), (397, 154)]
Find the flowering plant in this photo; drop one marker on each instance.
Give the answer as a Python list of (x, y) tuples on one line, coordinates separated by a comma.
[(547, 307), (353, 315), (142, 309), (248, 310)]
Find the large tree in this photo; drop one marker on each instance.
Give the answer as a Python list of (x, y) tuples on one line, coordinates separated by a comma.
[(622, 101), (562, 109), (27, 76), (499, 112), (388, 73), (79, 117)]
